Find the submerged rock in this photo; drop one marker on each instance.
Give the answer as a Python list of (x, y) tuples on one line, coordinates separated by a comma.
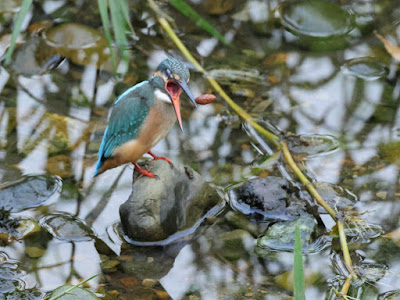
[(179, 199), (267, 199), (281, 236)]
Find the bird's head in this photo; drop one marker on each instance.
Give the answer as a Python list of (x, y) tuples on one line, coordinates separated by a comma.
[(175, 76)]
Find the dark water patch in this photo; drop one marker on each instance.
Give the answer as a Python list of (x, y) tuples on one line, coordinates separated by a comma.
[(28, 192)]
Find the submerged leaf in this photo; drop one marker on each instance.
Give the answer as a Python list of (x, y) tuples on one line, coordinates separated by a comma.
[(189, 12)]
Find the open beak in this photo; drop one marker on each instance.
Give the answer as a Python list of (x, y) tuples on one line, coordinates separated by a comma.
[(174, 94), (185, 88)]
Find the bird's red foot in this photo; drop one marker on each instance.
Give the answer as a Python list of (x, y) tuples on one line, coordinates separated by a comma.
[(143, 171), (155, 157)]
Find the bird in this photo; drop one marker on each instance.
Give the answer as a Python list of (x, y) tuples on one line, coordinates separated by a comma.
[(142, 116)]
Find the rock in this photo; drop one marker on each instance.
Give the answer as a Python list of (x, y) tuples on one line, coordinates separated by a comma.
[(267, 198), (177, 200)]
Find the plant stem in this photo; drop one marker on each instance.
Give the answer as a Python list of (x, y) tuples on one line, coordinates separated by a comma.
[(345, 249), (311, 189), (345, 288)]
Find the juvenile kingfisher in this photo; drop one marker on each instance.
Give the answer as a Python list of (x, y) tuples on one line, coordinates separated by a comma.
[(142, 116)]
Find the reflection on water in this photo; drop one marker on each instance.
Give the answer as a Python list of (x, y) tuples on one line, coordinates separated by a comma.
[(53, 114)]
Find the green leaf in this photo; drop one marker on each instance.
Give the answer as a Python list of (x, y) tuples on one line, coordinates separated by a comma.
[(298, 271), (26, 4), (106, 25), (124, 7), (189, 12), (67, 292), (119, 24)]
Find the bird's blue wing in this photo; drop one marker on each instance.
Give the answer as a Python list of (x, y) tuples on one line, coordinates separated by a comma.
[(127, 116)]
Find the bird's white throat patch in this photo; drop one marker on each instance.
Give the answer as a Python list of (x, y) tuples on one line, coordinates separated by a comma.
[(162, 96)]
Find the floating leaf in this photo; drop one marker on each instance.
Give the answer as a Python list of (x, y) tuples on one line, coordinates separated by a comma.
[(79, 43), (312, 144), (34, 57), (28, 192), (367, 68), (393, 50), (316, 18), (189, 12), (67, 227)]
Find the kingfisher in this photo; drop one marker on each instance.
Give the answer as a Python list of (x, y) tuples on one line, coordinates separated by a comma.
[(142, 116)]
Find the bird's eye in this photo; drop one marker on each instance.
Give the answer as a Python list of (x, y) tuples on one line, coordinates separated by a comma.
[(168, 72)]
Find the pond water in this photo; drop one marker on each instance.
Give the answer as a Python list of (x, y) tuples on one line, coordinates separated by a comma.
[(312, 68)]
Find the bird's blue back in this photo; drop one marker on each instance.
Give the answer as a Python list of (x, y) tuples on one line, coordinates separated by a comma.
[(127, 116)]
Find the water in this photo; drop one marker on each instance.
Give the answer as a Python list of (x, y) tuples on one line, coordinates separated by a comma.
[(328, 76)]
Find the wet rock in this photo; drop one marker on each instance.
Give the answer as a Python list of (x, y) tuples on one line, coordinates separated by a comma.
[(266, 199), (157, 208), (233, 245), (281, 235)]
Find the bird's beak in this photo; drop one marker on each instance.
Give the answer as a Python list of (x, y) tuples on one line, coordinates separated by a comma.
[(185, 88), (175, 97)]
